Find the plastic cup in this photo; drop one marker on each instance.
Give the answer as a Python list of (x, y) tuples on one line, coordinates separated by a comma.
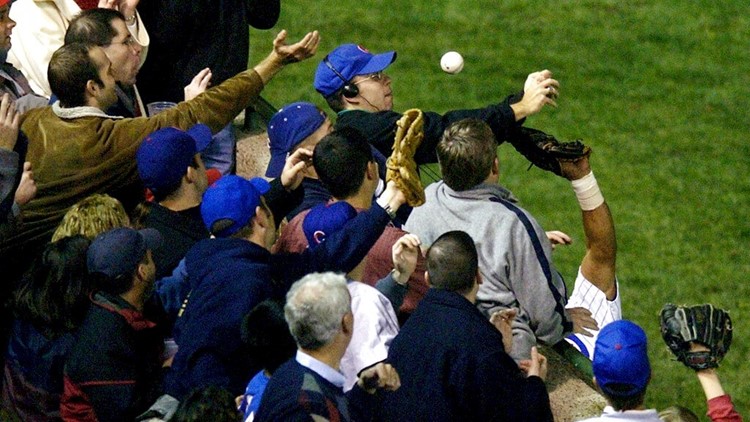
[(158, 106)]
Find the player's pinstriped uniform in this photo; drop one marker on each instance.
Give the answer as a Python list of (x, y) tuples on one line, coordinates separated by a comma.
[(586, 295)]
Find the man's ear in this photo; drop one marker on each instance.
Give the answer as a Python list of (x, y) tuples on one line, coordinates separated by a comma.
[(347, 323), (190, 174), (496, 166), (261, 218), (427, 278), (350, 100), (141, 271), (372, 170), (92, 88), (479, 278)]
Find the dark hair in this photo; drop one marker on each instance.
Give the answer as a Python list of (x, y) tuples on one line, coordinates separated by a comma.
[(466, 153), (335, 100), (452, 262), (70, 69), (267, 335), (210, 403), (53, 292), (341, 159), (621, 403), (140, 214), (93, 27)]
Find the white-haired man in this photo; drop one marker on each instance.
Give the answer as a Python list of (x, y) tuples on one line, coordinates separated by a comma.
[(318, 311)]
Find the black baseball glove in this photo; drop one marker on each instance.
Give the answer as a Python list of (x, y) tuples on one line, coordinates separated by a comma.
[(546, 152), (704, 324)]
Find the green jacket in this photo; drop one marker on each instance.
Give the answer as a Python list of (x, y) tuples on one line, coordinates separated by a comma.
[(79, 151)]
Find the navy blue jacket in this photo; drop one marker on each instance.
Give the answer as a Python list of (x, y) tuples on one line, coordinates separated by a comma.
[(113, 372), (380, 127), (33, 378), (228, 278), (295, 392), (453, 366)]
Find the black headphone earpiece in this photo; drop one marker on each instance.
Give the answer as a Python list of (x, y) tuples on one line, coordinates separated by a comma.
[(349, 90)]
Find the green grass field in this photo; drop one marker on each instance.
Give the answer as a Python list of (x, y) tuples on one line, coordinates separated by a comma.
[(660, 90)]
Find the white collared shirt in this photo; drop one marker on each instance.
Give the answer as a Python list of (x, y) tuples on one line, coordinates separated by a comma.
[(331, 375)]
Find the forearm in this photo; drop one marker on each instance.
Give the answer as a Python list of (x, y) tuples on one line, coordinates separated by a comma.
[(215, 108), (341, 252), (599, 263), (282, 202), (710, 383), (391, 289), (269, 67)]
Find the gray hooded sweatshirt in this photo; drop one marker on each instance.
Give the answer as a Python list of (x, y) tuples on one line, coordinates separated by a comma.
[(514, 258)]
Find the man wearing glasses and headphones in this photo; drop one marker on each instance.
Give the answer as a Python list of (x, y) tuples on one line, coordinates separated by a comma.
[(353, 83)]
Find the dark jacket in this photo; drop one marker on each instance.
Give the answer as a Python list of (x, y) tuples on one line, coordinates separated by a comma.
[(33, 377), (113, 371), (79, 151), (453, 366), (295, 392), (380, 128), (228, 277), (315, 193), (188, 36), (183, 229)]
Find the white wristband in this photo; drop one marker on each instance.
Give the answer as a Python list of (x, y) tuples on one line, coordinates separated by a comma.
[(587, 191)]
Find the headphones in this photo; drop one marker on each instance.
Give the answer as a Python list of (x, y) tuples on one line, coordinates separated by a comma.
[(349, 90)]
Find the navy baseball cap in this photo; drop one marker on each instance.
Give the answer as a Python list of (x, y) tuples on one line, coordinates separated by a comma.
[(287, 128), (325, 219), (349, 60), (164, 156), (119, 251), (621, 357), (234, 200)]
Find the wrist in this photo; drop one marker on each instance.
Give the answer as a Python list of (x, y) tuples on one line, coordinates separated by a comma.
[(390, 211), (269, 67), (587, 191), (400, 278), (519, 111)]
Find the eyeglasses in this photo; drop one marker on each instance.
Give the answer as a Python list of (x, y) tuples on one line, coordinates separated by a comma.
[(128, 42), (377, 77)]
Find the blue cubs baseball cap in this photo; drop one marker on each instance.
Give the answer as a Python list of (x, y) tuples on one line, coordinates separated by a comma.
[(231, 203), (349, 60), (621, 357), (287, 128), (164, 156), (119, 251), (324, 220)]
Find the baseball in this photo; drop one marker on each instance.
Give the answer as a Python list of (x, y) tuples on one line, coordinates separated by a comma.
[(452, 62)]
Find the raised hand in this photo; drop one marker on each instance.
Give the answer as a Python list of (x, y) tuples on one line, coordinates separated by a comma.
[(301, 50), (198, 85), (294, 168), (405, 253), (9, 119), (538, 90)]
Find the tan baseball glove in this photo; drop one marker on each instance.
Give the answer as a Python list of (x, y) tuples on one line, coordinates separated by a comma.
[(401, 167)]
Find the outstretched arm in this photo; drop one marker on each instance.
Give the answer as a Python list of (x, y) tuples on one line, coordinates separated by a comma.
[(720, 406), (598, 265)]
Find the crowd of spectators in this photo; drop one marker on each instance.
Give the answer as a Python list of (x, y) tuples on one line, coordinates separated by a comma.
[(145, 281)]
